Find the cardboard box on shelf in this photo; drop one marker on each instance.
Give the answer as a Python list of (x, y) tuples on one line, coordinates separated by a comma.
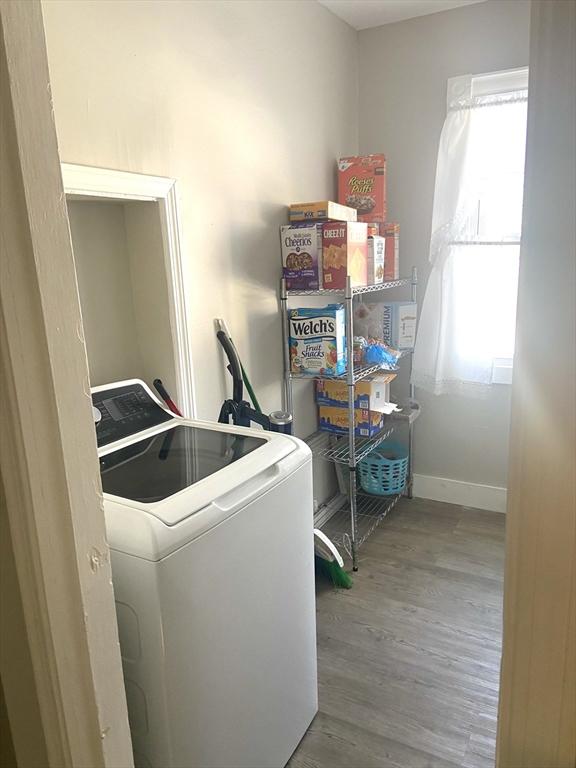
[(318, 340), (322, 210), (372, 393), (375, 260), (344, 252), (400, 324), (335, 419), (301, 246), (391, 234), (394, 322), (362, 185)]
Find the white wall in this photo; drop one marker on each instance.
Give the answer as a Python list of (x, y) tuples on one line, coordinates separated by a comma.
[(246, 104), (404, 68)]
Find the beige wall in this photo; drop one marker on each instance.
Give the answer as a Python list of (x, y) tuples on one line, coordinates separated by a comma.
[(247, 104), (404, 68), (119, 259), (104, 284)]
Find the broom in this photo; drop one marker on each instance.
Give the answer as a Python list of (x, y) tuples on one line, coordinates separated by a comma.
[(328, 561)]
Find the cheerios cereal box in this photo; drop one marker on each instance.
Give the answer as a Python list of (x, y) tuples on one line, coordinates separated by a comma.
[(301, 256), (318, 340), (344, 252), (362, 185)]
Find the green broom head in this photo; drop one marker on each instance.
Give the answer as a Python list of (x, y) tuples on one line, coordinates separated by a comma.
[(337, 575), (329, 561)]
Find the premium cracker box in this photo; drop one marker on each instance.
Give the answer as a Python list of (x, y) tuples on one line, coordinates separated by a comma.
[(391, 233), (323, 210), (362, 185), (335, 419), (344, 252), (375, 260), (394, 322), (371, 394), (318, 340), (301, 246), (399, 320)]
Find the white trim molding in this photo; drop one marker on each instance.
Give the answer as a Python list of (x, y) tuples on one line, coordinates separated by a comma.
[(489, 497), (83, 181), (89, 181)]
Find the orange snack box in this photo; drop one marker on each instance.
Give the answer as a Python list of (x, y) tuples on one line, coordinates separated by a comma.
[(344, 252), (362, 185), (391, 234)]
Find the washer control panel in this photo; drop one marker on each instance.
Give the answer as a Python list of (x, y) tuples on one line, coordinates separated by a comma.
[(124, 410)]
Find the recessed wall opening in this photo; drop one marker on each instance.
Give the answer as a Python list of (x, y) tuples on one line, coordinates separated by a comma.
[(124, 233)]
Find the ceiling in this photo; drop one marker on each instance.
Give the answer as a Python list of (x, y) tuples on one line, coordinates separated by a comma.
[(362, 14)]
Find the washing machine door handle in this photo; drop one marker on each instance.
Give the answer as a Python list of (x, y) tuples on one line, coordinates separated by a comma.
[(245, 492)]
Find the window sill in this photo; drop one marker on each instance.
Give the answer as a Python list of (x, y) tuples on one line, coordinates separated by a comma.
[(502, 372)]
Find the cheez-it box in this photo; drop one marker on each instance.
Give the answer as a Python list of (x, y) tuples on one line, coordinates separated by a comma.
[(362, 185), (344, 252)]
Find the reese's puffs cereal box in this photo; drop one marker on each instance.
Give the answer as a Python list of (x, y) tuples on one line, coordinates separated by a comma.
[(362, 185), (344, 252)]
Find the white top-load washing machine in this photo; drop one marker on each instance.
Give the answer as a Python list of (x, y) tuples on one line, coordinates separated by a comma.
[(211, 534)]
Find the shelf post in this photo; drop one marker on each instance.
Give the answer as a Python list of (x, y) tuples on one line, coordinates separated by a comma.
[(287, 402), (349, 298), (411, 390)]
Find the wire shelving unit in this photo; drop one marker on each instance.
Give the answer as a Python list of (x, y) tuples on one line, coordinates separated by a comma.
[(351, 516)]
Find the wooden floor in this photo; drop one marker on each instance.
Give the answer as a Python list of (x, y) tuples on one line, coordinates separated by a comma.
[(409, 658)]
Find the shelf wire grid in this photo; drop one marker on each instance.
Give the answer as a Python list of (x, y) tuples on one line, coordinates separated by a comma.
[(360, 372), (357, 291), (336, 448), (334, 518)]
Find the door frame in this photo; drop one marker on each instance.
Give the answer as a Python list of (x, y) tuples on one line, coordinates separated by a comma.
[(57, 604), (89, 182)]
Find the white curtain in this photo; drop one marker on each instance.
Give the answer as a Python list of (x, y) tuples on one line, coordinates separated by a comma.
[(466, 327)]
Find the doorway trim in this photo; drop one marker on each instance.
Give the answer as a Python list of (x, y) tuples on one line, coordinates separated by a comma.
[(85, 182)]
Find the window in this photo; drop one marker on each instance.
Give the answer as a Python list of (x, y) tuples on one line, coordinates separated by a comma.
[(467, 326)]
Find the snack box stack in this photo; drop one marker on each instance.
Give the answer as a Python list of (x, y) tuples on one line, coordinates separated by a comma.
[(372, 393), (362, 185), (302, 247), (333, 419), (372, 403)]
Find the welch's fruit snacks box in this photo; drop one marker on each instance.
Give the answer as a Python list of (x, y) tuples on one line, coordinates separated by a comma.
[(318, 340)]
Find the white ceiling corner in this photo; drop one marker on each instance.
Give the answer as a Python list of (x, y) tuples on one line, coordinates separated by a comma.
[(362, 14)]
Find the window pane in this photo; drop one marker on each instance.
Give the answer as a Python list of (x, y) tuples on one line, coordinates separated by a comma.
[(496, 164), (484, 293)]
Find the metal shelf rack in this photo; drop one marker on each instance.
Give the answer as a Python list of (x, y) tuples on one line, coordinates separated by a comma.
[(349, 518)]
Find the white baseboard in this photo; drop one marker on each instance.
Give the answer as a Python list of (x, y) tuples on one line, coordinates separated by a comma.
[(475, 495)]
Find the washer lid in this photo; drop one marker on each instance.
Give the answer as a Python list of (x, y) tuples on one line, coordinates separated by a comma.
[(163, 464)]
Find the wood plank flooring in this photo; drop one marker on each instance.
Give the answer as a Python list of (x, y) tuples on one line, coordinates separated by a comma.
[(409, 658)]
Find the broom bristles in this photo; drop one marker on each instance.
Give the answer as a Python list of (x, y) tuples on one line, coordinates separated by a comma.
[(337, 575)]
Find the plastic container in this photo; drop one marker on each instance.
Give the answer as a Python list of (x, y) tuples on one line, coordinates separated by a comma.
[(384, 471)]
